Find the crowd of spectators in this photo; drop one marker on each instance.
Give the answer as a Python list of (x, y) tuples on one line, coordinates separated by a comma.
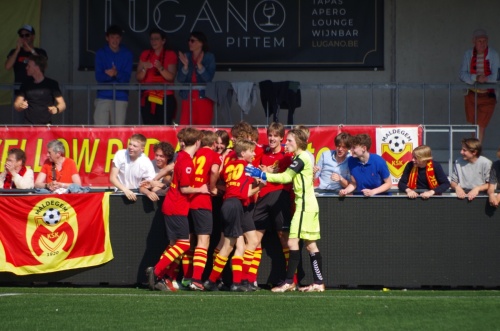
[(161, 65), (39, 97)]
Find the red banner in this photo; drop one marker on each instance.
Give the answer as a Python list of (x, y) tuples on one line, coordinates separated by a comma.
[(47, 233), (93, 148)]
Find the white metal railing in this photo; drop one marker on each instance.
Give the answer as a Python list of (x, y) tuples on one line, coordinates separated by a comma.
[(321, 90)]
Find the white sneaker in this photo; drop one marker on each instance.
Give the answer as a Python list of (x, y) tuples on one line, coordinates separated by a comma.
[(313, 288), (196, 286), (284, 287)]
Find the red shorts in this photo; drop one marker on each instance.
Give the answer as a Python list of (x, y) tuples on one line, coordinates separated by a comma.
[(485, 106)]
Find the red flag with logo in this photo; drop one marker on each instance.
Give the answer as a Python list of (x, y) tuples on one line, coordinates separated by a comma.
[(48, 233)]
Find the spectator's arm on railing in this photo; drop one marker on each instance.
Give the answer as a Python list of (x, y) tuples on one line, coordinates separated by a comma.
[(493, 198), (494, 66), (386, 186), (349, 188), (113, 179), (458, 190), (465, 74)]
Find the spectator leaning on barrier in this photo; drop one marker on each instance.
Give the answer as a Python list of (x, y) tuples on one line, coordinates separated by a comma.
[(58, 172), (493, 184), (480, 65), (422, 173), (471, 173), (130, 167), (16, 175), (369, 172), (41, 97), (332, 169), (113, 65), (163, 165)]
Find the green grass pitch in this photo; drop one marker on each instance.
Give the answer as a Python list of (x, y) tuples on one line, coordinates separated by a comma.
[(78, 308)]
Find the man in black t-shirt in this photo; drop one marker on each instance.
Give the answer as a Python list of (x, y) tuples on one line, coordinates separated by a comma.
[(18, 58), (41, 97)]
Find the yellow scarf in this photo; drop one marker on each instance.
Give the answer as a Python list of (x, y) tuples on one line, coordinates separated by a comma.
[(429, 173)]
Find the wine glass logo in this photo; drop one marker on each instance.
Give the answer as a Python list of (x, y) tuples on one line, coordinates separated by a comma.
[(269, 15), (269, 11)]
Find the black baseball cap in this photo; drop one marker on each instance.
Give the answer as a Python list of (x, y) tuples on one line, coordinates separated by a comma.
[(28, 28)]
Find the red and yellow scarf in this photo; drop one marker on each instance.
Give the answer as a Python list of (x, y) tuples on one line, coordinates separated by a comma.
[(8, 183), (429, 174), (154, 97), (473, 63)]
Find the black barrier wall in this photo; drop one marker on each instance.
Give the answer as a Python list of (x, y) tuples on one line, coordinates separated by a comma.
[(397, 242), (377, 241)]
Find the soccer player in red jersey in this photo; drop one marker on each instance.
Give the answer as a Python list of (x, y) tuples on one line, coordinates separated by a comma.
[(222, 148), (176, 208), (273, 207), (236, 213), (222, 144), (206, 169), (240, 131), (259, 150), (173, 268)]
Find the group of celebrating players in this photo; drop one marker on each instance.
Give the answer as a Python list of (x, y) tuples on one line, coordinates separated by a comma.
[(250, 188)]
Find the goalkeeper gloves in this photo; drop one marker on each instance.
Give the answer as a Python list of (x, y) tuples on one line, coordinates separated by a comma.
[(255, 172)]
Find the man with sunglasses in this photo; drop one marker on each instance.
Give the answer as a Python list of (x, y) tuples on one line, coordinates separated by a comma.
[(18, 59)]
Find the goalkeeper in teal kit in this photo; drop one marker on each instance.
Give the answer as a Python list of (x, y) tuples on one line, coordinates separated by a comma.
[(305, 221)]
